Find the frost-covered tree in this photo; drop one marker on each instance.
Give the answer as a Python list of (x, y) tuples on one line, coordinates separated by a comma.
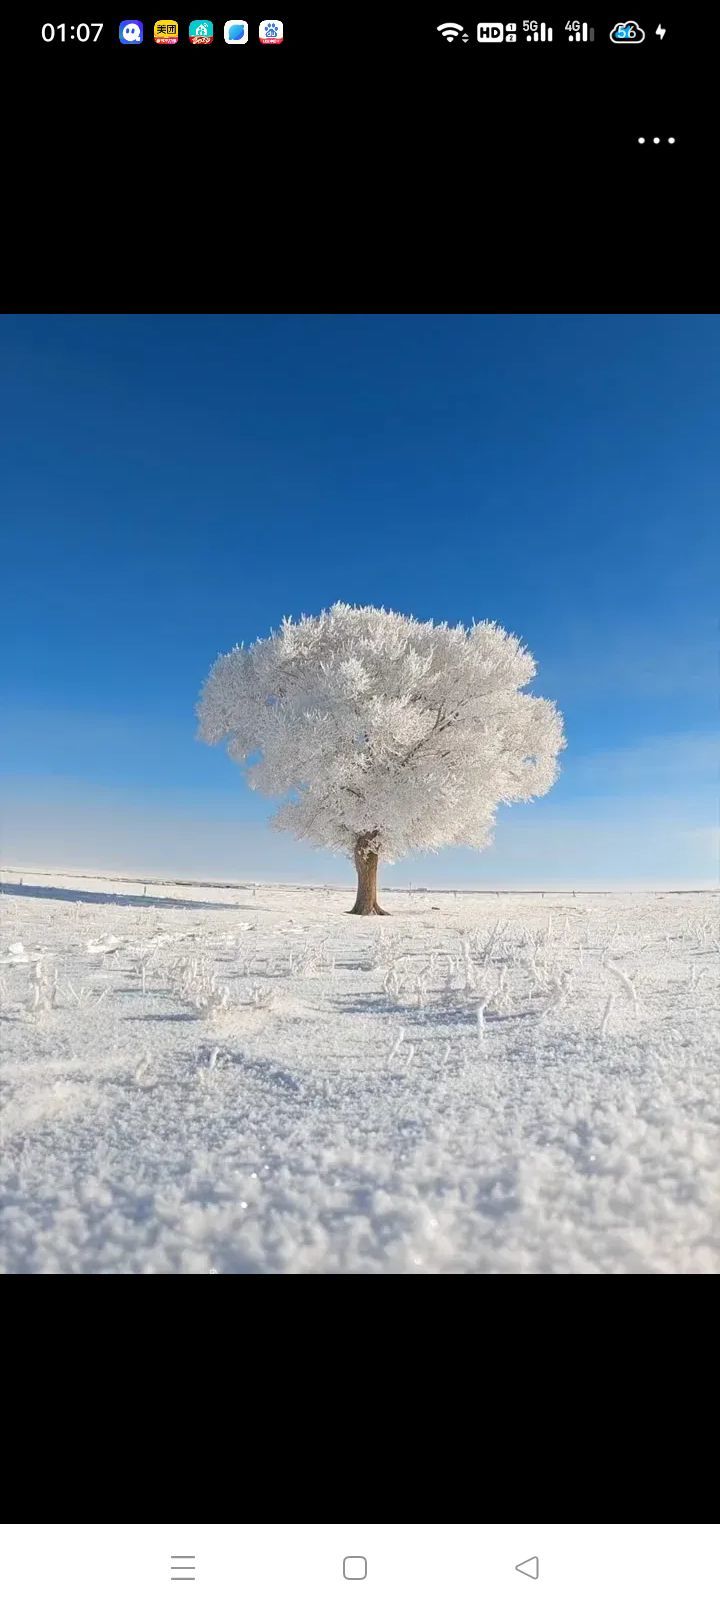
[(387, 734)]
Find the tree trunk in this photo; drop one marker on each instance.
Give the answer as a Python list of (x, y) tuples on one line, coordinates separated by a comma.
[(366, 863)]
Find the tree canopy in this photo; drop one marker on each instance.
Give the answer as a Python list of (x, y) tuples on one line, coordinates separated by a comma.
[(369, 722)]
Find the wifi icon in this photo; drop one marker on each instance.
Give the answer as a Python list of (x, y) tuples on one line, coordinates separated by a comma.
[(450, 30)]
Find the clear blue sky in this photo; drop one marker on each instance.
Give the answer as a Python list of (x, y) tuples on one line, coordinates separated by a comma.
[(172, 486)]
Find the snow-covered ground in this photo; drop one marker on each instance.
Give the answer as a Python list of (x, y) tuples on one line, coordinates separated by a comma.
[(205, 1079)]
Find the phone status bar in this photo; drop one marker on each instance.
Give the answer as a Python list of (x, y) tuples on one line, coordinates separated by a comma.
[(219, 35)]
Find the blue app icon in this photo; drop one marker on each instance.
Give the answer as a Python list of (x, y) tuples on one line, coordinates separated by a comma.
[(236, 31), (131, 33)]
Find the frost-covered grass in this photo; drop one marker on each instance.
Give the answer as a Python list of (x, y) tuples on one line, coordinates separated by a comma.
[(239, 1080)]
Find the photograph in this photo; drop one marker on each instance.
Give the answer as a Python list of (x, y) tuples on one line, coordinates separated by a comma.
[(359, 848)]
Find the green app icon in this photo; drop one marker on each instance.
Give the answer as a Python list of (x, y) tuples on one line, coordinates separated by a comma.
[(201, 32)]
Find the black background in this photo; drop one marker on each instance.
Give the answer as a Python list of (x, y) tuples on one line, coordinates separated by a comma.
[(362, 165)]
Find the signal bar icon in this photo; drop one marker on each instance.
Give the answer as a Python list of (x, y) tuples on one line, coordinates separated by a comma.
[(579, 33), (538, 32)]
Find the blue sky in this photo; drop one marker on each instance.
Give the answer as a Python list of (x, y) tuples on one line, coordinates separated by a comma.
[(174, 485)]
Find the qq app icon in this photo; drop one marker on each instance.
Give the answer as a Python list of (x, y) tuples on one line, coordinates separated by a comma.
[(236, 33), (271, 32), (131, 32)]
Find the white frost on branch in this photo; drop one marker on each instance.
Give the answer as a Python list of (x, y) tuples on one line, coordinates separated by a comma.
[(369, 722)]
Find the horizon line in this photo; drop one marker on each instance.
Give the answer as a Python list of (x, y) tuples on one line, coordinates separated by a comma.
[(395, 889)]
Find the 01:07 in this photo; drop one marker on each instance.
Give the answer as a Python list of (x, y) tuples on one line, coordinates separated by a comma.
[(81, 32)]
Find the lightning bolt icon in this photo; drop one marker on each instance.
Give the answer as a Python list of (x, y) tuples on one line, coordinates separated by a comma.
[(660, 31)]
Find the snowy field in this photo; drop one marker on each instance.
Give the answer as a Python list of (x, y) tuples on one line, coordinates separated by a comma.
[(246, 1080)]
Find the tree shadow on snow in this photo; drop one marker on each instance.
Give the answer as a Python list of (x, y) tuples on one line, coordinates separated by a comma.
[(105, 898)]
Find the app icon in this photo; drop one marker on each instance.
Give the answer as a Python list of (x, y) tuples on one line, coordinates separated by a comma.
[(131, 33), (627, 33), (166, 33), (271, 33), (201, 32), (236, 32)]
